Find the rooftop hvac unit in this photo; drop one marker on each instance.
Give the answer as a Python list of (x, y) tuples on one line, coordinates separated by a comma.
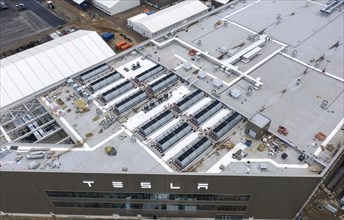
[(258, 84), (187, 66), (129, 102), (33, 165), (223, 49), (189, 100), (155, 123), (149, 73), (225, 125), (324, 104), (249, 92), (176, 133), (284, 156), (332, 6), (262, 167), (204, 113), (222, 167), (116, 91), (35, 156), (162, 83), (106, 80), (202, 74), (70, 82), (217, 83), (191, 152), (93, 72), (235, 93), (89, 98), (251, 54)]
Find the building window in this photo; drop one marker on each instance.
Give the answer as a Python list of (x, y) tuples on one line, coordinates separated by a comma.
[(148, 196), (221, 208), (229, 217), (104, 205)]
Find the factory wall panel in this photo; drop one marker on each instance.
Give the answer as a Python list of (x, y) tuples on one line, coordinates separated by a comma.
[(268, 196)]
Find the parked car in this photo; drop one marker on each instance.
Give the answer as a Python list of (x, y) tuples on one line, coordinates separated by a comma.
[(3, 6), (21, 7), (50, 5)]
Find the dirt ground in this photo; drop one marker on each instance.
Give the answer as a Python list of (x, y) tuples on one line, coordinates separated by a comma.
[(96, 20), (91, 19)]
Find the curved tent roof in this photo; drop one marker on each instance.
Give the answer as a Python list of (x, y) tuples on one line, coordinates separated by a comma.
[(32, 70), (174, 14)]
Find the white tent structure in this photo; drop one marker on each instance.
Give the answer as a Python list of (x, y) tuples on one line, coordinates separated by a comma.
[(78, 1), (130, 21), (112, 7), (170, 18), (39, 68), (219, 3), (222, 2)]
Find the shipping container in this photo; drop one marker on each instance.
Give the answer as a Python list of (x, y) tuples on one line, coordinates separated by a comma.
[(108, 36), (150, 12), (119, 44), (126, 46)]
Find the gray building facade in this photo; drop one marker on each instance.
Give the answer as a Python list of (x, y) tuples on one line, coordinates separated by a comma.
[(170, 195)]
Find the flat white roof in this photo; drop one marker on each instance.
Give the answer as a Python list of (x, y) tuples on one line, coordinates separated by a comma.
[(107, 3), (32, 70), (222, 1), (137, 17), (145, 64), (78, 1), (171, 15)]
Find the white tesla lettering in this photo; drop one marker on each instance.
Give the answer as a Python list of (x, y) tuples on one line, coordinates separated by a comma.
[(146, 185), (202, 186), (118, 184), (174, 187), (88, 182)]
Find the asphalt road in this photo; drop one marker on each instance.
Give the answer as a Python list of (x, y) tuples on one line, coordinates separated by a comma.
[(18, 26), (44, 13)]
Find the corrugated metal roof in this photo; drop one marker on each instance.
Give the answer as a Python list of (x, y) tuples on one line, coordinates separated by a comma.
[(34, 69), (171, 15)]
